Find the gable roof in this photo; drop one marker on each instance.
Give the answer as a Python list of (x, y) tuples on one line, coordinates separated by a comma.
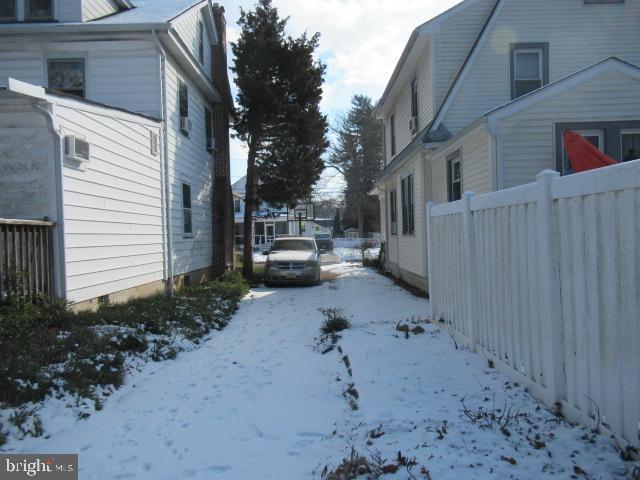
[(462, 73), (418, 39), (151, 11), (562, 85)]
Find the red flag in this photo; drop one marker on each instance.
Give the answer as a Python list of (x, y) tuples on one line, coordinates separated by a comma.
[(583, 155)]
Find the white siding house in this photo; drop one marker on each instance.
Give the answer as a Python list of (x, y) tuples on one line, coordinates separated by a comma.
[(465, 63), (155, 62)]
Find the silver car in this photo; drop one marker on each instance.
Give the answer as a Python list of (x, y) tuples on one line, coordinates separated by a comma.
[(293, 259)]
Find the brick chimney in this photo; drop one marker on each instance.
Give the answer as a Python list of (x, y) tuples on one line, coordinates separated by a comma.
[(223, 219)]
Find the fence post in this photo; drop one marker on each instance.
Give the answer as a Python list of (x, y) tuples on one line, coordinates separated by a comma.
[(471, 277), (549, 285), (430, 246)]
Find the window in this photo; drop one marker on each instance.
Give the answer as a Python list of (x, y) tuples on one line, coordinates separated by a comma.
[(67, 76), (38, 10), (406, 190), (414, 97), (7, 10), (237, 206), (201, 42), (392, 127), (620, 140), (529, 67), (393, 207), (183, 98), (208, 127), (186, 209), (454, 176), (630, 145), (604, 2)]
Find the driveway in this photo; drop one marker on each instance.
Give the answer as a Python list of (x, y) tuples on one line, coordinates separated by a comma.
[(260, 400)]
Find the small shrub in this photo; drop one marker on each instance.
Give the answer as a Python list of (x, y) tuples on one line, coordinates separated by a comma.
[(334, 321), (3, 436), (27, 421)]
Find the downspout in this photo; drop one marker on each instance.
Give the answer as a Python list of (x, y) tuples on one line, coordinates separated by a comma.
[(166, 184), (59, 258)]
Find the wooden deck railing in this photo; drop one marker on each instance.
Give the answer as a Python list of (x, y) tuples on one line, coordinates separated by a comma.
[(26, 257)]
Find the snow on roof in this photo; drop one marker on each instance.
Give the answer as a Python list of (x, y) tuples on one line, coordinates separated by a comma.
[(150, 11)]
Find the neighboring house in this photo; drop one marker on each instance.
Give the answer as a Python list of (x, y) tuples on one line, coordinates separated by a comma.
[(270, 221), (481, 96), (150, 76)]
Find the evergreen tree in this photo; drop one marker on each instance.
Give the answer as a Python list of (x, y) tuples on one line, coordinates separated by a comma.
[(357, 154), (278, 114), (337, 223)]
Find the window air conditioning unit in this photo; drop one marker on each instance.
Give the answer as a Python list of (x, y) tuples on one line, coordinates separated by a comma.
[(76, 149), (413, 124), (185, 124), (211, 145)]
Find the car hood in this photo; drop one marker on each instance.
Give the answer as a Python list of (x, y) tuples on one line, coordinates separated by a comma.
[(292, 255)]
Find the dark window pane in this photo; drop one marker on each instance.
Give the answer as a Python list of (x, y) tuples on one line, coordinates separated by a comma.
[(525, 86), (186, 208), (184, 99), (67, 76), (208, 126), (630, 146), (39, 9), (186, 195), (8, 9), (201, 42)]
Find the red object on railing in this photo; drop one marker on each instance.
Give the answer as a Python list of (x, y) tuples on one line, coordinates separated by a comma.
[(583, 155)]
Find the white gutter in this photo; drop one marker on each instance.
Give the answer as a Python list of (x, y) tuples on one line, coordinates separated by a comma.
[(166, 184), (59, 258)]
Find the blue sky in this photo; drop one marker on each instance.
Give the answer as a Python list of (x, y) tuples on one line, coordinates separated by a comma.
[(361, 41)]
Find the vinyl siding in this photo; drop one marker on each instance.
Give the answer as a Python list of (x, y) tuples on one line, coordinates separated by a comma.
[(402, 106), (26, 163), (123, 74), (187, 29), (191, 163), (477, 160), (578, 35), (453, 43), (113, 209), (68, 10), (92, 9), (528, 137), (408, 252)]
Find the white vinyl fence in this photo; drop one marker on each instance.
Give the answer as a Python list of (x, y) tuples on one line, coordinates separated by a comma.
[(544, 280)]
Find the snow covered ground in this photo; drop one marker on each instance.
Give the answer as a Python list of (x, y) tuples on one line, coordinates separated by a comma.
[(260, 400)]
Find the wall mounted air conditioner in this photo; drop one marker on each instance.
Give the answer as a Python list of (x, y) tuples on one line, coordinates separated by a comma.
[(185, 125), (77, 150)]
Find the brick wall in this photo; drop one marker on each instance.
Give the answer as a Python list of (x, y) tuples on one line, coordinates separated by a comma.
[(222, 198)]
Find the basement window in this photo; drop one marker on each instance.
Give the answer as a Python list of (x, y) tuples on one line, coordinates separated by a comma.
[(67, 76), (39, 10), (7, 10), (187, 216)]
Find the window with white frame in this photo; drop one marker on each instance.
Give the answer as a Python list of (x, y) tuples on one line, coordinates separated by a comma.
[(39, 10), (529, 68), (406, 191), (201, 42), (67, 75), (8, 10), (183, 98), (454, 176), (187, 217), (237, 206), (393, 211)]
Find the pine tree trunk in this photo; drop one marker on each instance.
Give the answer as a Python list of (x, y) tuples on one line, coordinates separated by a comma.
[(249, 205)]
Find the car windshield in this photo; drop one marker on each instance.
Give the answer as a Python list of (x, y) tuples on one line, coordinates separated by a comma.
[(293, 244)]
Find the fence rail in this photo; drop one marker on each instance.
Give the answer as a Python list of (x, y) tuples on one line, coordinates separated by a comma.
[(26, 258), (544, 279)]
